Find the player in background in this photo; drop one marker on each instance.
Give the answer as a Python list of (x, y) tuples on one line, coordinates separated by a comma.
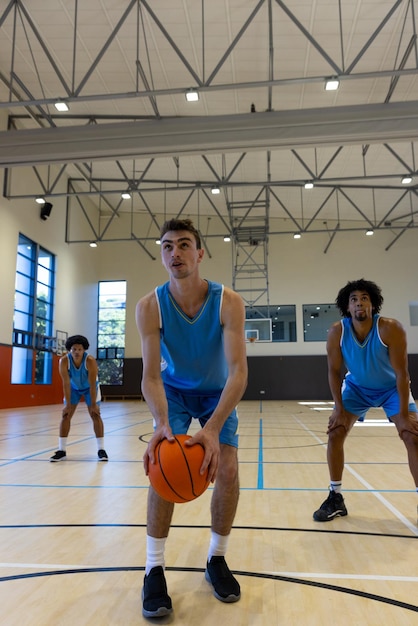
[(373, 350), (78, 371)]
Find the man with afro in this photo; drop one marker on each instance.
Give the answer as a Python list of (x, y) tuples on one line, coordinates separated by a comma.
[(373, 350), (79, 374)]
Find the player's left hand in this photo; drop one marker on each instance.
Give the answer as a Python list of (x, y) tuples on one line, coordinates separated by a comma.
[(407, 423), (209, 439)]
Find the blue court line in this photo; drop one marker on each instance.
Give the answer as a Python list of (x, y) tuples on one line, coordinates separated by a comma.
[(260, 478)]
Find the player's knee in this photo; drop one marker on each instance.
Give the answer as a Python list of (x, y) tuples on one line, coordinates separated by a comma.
[(409, 437), (337, 434)]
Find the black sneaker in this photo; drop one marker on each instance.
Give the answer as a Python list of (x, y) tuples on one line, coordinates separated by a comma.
[(225, 587), (58, 456), (102, 455), (155, 600), (332, 507)]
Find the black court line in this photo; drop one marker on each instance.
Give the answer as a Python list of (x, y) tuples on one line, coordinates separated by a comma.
[(277, 577), (207, 527)]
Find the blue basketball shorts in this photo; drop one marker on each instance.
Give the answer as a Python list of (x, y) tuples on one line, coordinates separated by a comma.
[(77, 394), (358, 400), (183, 408)]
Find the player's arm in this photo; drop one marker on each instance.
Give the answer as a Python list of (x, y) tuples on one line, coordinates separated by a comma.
[(147, 321), (335, 364), (66, 384), (394, 336), (233, 319), (92, 371)]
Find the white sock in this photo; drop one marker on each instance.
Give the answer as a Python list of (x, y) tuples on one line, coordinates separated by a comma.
[(336, 486), (155, 553), (218, 545), (100, 443), (62, 443)]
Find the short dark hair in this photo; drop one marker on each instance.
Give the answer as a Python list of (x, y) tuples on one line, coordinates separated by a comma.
[(76, 339), (175, 224), (368, 286)]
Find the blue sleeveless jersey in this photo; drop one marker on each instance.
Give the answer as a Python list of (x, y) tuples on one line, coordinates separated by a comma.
[(79, 376), (192, 349), (367, 363)]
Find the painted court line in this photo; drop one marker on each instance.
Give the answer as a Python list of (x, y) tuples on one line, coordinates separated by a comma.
[(322, 575), (369, 487), (376, 577), (260, 477)]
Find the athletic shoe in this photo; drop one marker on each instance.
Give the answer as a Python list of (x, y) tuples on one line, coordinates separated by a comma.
[(102, 455), (58, 456), (332, 507), (225, 587), (155, 600)]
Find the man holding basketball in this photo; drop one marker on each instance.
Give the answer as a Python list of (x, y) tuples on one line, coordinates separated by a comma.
[(194, 367), (374, 352)]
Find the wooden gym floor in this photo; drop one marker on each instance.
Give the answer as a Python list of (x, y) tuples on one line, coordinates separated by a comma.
[(72, 534)]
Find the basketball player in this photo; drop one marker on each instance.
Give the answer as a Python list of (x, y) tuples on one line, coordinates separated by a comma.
[(78, 371), (194, 366), (374, 352)]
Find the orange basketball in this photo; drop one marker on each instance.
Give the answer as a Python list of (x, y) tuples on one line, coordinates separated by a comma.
[(175, 474)]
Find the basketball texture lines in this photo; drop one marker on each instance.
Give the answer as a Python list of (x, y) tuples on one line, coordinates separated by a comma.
[(175, 475)]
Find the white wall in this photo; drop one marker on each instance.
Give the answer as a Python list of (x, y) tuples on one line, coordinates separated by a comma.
[(299, 272)]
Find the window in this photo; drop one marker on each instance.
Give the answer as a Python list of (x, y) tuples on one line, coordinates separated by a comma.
[(111, 331), (317, 318), (283, 320), (413, 313), (33, 342)]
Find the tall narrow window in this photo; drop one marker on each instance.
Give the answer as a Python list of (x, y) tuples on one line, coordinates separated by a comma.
[(111, 331), (33, 339)]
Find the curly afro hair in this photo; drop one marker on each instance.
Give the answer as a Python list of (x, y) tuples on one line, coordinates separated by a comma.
[(76, 339), (368, 286)]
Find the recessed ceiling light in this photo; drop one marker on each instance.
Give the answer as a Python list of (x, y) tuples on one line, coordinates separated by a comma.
[(297, 236), (192, 95), (309, 185), (125, 195), (158, 242), (61, 106), (40, 200), (227, 239), (332, 84), (369, 232), (93, 244), (215, 190), (406, 180)]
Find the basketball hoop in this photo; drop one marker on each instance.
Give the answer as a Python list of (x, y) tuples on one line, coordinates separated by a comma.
[(252, 339)]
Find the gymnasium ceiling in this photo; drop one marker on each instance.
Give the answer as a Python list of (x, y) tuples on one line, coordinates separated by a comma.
[(263, 126)]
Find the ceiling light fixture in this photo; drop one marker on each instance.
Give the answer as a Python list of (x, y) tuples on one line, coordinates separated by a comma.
[(192, 95), (158, 242), (125, 195), (61, 106), (227, 239), (215, 190), (406, 180), (369, 232), (93, 244), (40, 200), (332, 84), (309, 185), (297, 236)]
